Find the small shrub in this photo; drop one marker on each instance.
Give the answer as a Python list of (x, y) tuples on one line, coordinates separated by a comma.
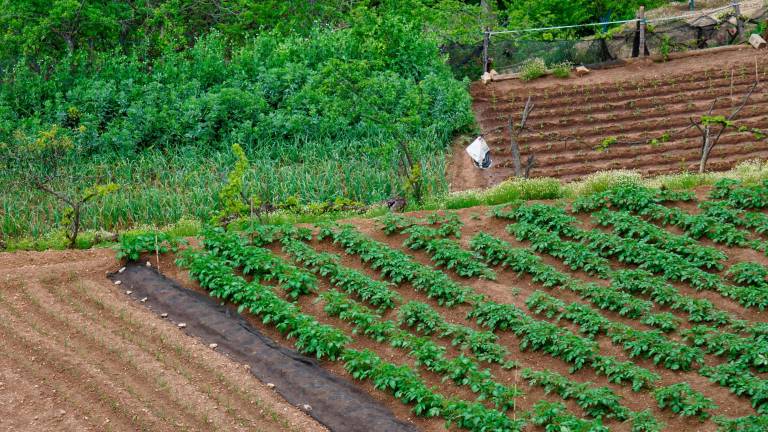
[(231, 196), (132, 246), (666, 47), (562, 70), (532, 69), (606, 143)]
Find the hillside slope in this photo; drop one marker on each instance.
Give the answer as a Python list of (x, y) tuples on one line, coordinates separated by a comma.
[(627, 107)]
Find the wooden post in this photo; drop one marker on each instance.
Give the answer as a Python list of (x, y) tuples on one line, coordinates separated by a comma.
[(641, 17), (486, 19), (739, 23), (486, 43)]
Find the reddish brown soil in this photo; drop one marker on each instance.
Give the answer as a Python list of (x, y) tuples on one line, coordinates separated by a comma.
[(514, 289), (635, 103), (511, 288), (102, 357), (76, 354)]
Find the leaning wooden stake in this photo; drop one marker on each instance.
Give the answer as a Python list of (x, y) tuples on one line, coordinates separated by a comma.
[(739, 23), (529, 165), (486, 43), (641, 17), (514, 133)]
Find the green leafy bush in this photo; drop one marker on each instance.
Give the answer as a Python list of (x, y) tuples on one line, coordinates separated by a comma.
[(532, 69), (319, 115), (131, 246), (562, 69)]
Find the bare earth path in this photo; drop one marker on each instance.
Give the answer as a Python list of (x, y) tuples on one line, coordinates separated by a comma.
[(77, 355)]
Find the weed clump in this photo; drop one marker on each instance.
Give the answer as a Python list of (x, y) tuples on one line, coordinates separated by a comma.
[(532, 69)]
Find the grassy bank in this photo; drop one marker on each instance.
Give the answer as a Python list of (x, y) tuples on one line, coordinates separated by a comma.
[(157, 189), (182, 212)]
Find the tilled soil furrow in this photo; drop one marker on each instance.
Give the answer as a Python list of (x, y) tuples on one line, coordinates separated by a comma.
[(653, 124), (161, 391), (86, 386), (636, 103), (74, 354), (619, 91), (123, 323), (599, 106)]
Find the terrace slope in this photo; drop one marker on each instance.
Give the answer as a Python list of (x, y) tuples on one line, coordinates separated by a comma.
[(636, 103)]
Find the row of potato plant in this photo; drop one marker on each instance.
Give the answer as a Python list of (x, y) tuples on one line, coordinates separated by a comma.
[(750, 350), (534, 334), (427, 321), (397, 266), (634, 198), (431, 235), (715, 221), (259, 262), (449, 224), (711, 222), (408, 387), (446, 253), (663, 351), (741, 196), (627, 225), (722, 210), (647, 344), (216, 274), (561, 343), (741, 381), (524, 261), (646, 256), (555, 417), (461, 370), (378, 293)]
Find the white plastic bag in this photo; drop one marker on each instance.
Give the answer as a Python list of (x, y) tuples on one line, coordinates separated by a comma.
[(480, 153)]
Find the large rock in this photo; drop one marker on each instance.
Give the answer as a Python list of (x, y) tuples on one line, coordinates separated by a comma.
[(757, 41)]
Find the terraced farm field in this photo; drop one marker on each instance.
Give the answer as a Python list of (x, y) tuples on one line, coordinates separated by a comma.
[(631, 117), (633, 310), (77, 355)]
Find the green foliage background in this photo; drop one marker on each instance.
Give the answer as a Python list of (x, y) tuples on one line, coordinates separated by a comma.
[(318, 93)]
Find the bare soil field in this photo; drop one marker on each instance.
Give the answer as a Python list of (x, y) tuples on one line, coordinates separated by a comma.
[(643, 108), (77, 354)]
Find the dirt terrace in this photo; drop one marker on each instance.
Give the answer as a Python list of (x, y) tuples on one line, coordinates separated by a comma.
[(636, 104), (77, 354)]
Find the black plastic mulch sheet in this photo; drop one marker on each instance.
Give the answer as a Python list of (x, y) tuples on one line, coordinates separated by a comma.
[(336, 402)]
